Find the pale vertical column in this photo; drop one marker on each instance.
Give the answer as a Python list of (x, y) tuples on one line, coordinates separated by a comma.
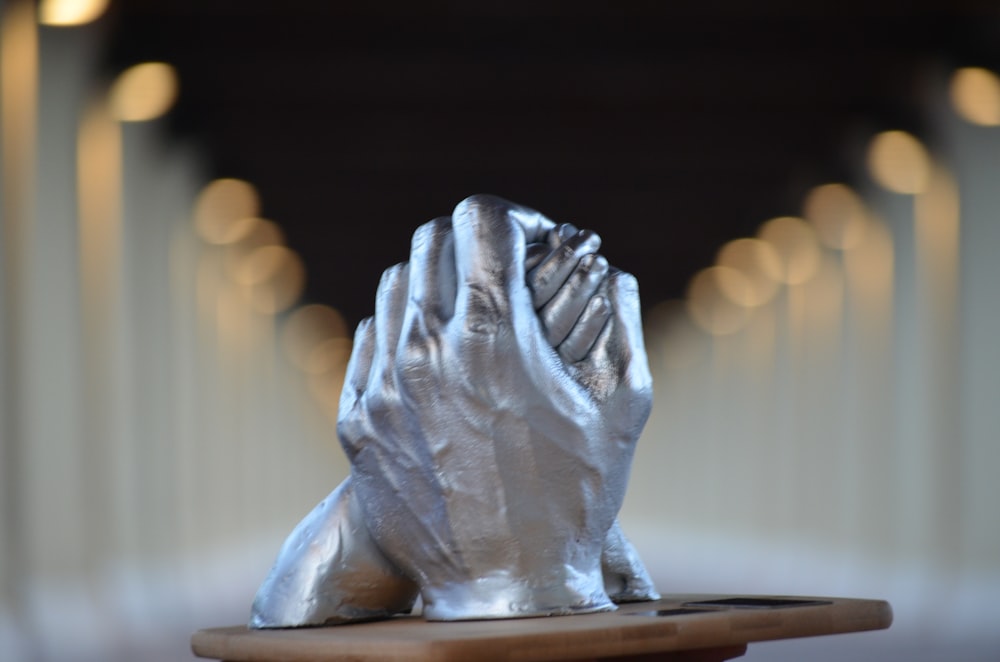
[(722, 318), (53, 453), (823, 470), (752, 271), (214, 519), (238, 330), (224, 214), (899, 163), (186, 389), (869, 269), (844, 224), (798, 253), (18, 112), (937, 227), (718, 443), (106, 449), (970, 131), (751, 449), (758, 391), (157, 194), (840, 220)]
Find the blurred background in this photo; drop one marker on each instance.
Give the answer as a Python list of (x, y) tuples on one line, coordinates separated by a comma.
[(197, 200)]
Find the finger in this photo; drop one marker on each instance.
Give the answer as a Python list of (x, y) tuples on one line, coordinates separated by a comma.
[(534, 254), (583, 336), (561, 233), (432, 269), (355, 382), (621, 343), (538, 251), (489, 262), (536, 226), (360, 363), (546, 279), (390, 306), (625, 577), (560, 314)]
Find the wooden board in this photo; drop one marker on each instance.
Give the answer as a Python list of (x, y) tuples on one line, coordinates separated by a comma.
[(675, 623)]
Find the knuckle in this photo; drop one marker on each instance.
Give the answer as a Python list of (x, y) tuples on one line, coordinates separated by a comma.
[(479, 201), (429, 234), (391, 276), (625, 280)]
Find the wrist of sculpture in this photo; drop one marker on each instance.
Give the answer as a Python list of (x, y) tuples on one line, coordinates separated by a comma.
[(508, 595)]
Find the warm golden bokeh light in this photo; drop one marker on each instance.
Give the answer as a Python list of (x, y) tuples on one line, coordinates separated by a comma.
[(143, 92), (262, 264), (759, 267), (838, 214), (795, 243), (263, 233), (273, 276), (736, 287), (331, 355), (222, 210), (70, 12), (238, 230), (710, 308), (308, 328), (975, 95), (899, 162)]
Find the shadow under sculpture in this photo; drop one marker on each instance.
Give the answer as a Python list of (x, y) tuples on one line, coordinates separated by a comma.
[(490, 411)]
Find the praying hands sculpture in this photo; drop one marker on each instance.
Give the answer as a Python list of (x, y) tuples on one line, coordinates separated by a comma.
[(490, 411)]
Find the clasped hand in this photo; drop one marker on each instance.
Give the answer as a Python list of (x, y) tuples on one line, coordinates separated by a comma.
[(490, 412)]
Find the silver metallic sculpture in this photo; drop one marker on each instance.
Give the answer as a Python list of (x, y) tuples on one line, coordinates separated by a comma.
[(490, 411)]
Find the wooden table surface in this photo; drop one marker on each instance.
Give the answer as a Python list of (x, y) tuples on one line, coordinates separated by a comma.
[(703, 627)]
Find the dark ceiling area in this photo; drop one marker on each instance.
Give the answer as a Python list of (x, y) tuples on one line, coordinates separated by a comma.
[(668, 128)]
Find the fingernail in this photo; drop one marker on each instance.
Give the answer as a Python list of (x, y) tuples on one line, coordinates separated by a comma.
[(589, 238), (599, 263), (567, 230)]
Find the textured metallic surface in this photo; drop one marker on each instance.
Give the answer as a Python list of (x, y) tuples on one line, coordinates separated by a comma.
[(490, 412)]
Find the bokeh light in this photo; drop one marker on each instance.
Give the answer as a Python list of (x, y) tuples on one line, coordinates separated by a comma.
[(221, 209), (273, 276), (70, 12), (759, 267), (709, 306), (143, 92), (795, 243), (975, 95), (838, 214), (306, 330), (899, 162)]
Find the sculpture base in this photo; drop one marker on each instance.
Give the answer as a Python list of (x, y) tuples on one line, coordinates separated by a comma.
[(679, 627)]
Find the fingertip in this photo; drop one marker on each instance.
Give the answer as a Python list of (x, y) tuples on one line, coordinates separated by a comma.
[(489, 246), (364, 329), (430, 233), (589, 241), (431, 277), (359, 364), (623, 284)]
